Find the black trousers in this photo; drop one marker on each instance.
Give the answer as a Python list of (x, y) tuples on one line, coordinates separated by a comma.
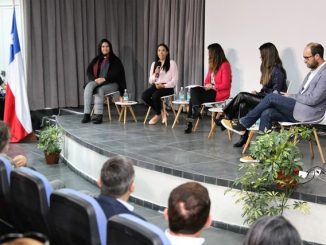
[(241, 105), (152, 97), (199, 96)]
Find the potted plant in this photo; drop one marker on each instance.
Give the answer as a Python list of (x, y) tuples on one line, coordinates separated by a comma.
[(266, 186), (50, 141)]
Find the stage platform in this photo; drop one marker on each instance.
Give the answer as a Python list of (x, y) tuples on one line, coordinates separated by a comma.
[(165, 157)]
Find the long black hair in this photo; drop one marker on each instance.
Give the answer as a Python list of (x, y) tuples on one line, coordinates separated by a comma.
[(166, 65), (99, 50)]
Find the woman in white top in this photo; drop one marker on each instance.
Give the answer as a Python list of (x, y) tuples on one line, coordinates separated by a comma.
[(163, 78)]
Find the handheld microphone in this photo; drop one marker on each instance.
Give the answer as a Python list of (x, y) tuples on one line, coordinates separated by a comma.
[(158, 65)]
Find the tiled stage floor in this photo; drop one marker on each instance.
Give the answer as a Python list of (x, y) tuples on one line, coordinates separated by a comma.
[(168, 150), (171, 151)]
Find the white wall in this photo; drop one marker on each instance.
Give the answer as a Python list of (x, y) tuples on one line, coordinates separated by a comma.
[(242, 26), (6, 11)]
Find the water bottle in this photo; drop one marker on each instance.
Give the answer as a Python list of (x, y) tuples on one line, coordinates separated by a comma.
[(188, 95), (125, 96), (181, 94)]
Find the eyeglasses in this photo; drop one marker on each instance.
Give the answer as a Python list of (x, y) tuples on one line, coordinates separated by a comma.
[(308, 57)]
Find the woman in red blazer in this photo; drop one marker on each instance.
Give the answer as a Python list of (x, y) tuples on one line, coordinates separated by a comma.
[(217, 84)]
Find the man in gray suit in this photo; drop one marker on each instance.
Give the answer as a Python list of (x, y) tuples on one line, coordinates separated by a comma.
[(307, 105)]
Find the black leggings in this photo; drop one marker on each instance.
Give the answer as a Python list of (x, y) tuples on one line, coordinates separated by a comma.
[(152, 97), (199, 95), (240, 105)]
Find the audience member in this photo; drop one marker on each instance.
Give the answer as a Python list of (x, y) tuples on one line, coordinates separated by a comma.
[(272, 79), (163, 77), (188, 214), (307, 105), (19, 160), (217, 84), (105, 75), (272, 230), (29, 238), (116, 183)]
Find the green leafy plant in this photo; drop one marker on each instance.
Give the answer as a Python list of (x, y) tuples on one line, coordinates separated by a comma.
[(50, 140), (265, 187)]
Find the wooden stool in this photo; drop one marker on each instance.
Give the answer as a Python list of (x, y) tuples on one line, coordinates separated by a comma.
[(164, 112), (107, 98), (183, 104), (123, 112)]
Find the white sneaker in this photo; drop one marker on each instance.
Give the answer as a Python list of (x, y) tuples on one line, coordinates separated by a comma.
[(248, 159)]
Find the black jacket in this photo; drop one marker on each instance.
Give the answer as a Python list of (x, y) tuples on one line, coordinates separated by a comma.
[(112, 207), (116, 74)]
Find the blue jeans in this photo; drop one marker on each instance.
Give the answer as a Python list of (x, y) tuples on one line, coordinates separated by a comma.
[(272, 108)]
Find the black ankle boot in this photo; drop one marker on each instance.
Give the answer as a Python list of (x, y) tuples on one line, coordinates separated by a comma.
[(242, 141), (188, 130), (86, 118), (98, 119)]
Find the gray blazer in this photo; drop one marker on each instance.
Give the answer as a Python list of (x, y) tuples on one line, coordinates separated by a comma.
[(311, 104)]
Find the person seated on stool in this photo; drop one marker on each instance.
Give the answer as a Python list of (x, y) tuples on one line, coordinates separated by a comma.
[(116, 183), (188, 214), (19, 160), (307, 105), (273, 78), (163, 77), (105, 75), (217, 84)]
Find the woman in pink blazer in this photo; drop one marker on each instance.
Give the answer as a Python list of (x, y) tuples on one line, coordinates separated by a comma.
[(217, 84)]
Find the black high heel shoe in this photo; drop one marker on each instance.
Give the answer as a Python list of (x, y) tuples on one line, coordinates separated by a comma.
[(243, 140), (188, 130)]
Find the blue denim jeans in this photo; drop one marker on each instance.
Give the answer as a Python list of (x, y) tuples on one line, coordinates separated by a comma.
[(272, 108)]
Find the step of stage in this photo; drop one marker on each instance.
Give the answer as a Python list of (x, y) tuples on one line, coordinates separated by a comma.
[(165, 157)]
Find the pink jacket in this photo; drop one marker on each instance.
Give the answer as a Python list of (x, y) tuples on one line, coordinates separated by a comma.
[(170, 78)]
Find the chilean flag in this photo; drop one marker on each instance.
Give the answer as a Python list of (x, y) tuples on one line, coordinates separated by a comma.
[(16, 113)]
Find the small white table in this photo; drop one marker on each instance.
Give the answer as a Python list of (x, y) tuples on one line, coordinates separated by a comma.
[(182, 104), (124, 105)]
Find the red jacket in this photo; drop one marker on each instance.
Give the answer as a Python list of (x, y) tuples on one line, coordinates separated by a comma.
[(223, 80)]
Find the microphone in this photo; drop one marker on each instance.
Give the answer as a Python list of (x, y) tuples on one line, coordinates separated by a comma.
[(158, 65)]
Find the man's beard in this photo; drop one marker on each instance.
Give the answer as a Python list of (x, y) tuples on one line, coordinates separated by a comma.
[(313, 65)]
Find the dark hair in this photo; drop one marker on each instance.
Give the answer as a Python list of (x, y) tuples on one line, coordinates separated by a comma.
[(117, 174), (269, 230), (189, 207), (269, 59), (216, 57), (316, 48), (166, 65), (99, 49), (4, 135)]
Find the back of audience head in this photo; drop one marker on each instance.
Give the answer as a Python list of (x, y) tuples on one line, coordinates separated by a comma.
[(269, 230), (188, 209), (117, 177), (4, 137)]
